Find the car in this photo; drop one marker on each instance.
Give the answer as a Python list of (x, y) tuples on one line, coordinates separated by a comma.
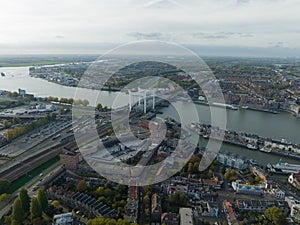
[(34, 188)]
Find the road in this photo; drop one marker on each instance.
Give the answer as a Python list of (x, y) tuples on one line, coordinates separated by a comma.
[(40, 147)]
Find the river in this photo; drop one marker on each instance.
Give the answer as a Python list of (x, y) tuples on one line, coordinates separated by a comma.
[(18, 77), (278, 126)]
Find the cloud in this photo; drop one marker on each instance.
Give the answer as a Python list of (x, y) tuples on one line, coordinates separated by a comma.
[(166, 4), (147, 36), (220, 35), (246, 23), (59, 37), (278, 44)]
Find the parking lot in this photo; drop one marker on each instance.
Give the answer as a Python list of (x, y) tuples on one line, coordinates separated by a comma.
[(35, 137)]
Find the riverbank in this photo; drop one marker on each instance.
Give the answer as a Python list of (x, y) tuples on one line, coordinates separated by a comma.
[(232, 107), (247, 140)]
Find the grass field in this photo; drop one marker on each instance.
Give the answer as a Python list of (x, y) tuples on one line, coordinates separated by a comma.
[(22, 181)]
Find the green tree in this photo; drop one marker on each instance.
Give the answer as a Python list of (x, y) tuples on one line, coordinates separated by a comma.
[(42, 199), (62, 111), (7, 220), (230, 175), (178, 200), (3, 197), (70, 100), (99, 107), (275, 215), (106, 221), (25, 199), (6, 124), (190, 167), (35, 209), (16, 120), (4, 185), (17, 215)]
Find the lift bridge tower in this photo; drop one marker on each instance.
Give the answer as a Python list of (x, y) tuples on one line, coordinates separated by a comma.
[(142, 95)]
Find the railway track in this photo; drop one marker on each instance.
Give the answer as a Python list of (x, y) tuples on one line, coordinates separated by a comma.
[(24, 167)]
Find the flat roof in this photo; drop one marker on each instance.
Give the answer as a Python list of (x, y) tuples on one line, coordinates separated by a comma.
[(186, 216)]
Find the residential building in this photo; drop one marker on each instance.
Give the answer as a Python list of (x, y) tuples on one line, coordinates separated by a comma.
[(69, 159), (209, 209), (294, 179), (63, 219), (230, 214), (232, 161), (170, 219), (260, 206), (295, 213), (246, 189), (186, 216), (294, 205), (132, 206), (155, 210), (277, 193)]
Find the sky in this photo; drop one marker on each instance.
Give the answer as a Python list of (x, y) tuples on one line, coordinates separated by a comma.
[(220, 27)]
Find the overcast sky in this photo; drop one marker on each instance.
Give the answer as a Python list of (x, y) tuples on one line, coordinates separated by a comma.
[(85, 26)]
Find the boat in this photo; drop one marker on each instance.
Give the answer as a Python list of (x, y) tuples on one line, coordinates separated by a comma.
[(283, 167), (253, 147), (205, 136), (265, 149), (254, 162), (245, 107), (227, 106)]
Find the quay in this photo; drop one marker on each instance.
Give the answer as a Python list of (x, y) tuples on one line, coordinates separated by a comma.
[(248, 140)]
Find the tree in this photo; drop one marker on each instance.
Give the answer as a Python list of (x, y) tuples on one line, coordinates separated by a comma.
[(106, 221), (70, 100), (38, 221), (42, 199), (190, 167), (178, 200), (3, 197), (7, 220), (78, 102), (17, 215), (25, 199), (99, 107), (230, 175), (6, 124), (16, 120), (85, 102), (55, 203), (4, 185), (35, 209), (275, 215), (62, 111), (81, 186)]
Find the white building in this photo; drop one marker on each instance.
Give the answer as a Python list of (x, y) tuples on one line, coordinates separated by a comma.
[(294, 205), (277, 193), (294, 179), (186, 216), (232, 161), (63, 219)]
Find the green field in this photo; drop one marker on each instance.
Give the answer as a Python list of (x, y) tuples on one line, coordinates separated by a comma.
[(22, 181)]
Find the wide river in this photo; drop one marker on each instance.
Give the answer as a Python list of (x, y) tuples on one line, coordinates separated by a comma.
[(279, 126)]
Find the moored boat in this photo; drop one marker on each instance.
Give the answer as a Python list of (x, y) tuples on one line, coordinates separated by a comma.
[(265, 149), (283, 167)]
